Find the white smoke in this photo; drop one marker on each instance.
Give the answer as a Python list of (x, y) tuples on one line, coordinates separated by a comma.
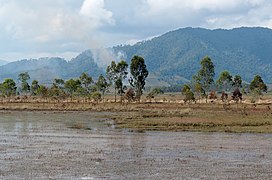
[(104, 56), (121, 55)]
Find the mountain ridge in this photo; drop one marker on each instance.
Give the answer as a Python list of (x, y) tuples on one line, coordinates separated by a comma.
[(46, 69), (178, 52), (172, 58)]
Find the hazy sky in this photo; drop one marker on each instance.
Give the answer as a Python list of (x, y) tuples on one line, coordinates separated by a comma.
[(36, 28)]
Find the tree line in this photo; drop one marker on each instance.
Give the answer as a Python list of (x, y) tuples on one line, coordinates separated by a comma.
[(203, 84), (84, 86)]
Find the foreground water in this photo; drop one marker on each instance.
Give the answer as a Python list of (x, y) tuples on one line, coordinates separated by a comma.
[(73, 145)]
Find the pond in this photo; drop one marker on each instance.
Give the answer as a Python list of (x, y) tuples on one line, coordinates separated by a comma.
[(86, 145)]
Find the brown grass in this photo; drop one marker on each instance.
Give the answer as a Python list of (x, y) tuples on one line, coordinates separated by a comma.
[(168, 116), (200, 117)]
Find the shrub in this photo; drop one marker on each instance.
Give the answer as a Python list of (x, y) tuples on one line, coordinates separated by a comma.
[(130, 95), (96, 96)]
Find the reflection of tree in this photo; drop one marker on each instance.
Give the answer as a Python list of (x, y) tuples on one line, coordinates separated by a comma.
[(7, 126), (22, 125), (17, 123), (127, 150), (137, 145)]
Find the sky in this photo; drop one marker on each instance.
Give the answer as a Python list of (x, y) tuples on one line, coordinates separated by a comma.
[(64, 28)]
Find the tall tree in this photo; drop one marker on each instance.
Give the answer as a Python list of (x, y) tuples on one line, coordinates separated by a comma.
[(23, 78), (258, 85), (122, 72), (58, 83), (86, 81), (42, 91), (237, 81), (112, 76), (205, 75), (102, 85), (116, 73), (57, 89), (224, 80), (139, 74), (34, 87), (8, 87), (72, 86)]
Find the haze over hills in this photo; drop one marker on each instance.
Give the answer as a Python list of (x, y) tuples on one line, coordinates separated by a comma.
[(46, 69), (171, 58), (3, 62)]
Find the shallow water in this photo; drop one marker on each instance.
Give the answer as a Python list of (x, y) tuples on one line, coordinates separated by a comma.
[(42, 145)]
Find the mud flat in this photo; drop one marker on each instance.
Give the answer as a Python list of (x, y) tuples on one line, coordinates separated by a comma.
[(85, 145)]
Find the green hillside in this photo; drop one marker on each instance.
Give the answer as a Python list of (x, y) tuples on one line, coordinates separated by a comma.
[(176, 54)]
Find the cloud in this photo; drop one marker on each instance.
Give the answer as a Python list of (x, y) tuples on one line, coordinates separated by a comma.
[(257, 13), (208, 13), (56, 26), (158, 6), (95, 11)]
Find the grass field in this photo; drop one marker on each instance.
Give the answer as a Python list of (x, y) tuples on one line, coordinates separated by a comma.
[(199, 117), (168, 113)]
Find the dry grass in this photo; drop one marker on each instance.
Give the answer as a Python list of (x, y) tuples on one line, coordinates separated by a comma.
[(169, 116), (200, 117)]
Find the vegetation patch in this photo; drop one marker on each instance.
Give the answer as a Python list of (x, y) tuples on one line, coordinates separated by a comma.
[(199, 117), (80, 126)]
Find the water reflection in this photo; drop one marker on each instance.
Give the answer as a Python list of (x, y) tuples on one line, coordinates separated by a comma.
[(41, 144), (17, 123)]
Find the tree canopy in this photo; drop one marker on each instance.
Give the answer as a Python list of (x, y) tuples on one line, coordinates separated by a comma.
[(258, 85), (224, 80), (139, 74), (205, 76), (237, 81), (24, 77), (102, 84), (8, 87), (116, 73)]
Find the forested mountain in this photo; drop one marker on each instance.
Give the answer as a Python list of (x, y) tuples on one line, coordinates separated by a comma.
[(176, 54), (172, 58), (46, 69)]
